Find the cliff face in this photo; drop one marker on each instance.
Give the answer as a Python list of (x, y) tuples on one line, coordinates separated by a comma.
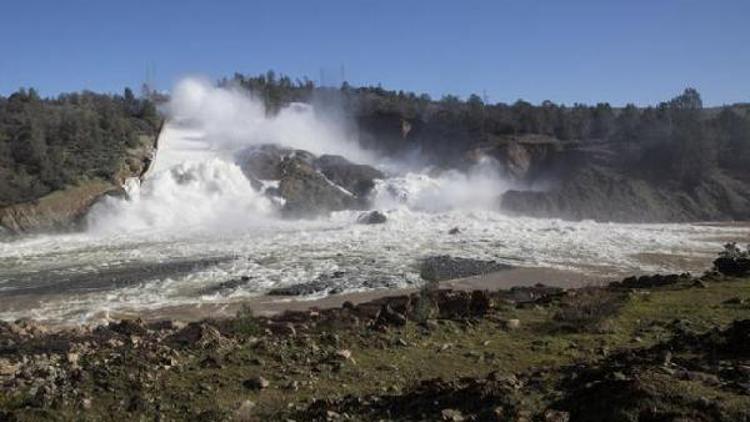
[(62, 209), (557, 179), (603, 194)]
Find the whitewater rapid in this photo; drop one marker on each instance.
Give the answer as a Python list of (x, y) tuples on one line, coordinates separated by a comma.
[(196, 223)]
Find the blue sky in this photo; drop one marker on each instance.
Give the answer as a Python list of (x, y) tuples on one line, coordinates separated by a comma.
[(640, 51)]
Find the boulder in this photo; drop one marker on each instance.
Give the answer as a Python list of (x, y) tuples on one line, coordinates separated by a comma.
[(358, 179), (372, 217), (324, 283), (444, 267), (308, 192), (736, 267), (263, 161)]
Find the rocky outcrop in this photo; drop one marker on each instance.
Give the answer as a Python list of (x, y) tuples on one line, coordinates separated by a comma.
[(603, 194), (308, 184), (372, 217), (56, 210), (307, 192), (64, 208), (444, 267), (524, 158), (356, 178)]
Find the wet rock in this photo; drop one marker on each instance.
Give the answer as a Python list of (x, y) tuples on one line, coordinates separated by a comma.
[(330, 283), (256, 383), (389, 317), (308, 192), (444, 267), (358, 179), (263, 161), (372, 217), (226, 287), (454, 230)]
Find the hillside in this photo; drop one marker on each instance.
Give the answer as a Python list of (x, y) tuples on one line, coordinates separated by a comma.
[(650, 348), (59, 155)]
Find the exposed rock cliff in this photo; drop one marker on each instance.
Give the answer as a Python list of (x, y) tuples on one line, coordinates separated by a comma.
[(62, 209)]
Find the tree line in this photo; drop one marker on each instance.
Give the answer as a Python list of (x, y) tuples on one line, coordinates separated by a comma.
[(49, 143)]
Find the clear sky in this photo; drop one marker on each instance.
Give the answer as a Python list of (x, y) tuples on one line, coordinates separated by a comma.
[(640, 51)]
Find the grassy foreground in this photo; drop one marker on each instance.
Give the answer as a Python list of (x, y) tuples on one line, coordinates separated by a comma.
[(677, 350)]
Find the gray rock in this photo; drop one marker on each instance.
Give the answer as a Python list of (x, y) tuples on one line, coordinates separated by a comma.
[(325, 283), (358, 179), (308, 192), (444, 267), (372, 217)]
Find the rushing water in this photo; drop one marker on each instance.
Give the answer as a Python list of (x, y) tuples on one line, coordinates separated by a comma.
[(196, 223)]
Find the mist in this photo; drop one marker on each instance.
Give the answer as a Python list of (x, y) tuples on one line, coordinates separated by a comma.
[(196, 183), (231, 119)]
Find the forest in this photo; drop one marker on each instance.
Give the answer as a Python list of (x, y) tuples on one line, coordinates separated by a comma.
[(48, 144)]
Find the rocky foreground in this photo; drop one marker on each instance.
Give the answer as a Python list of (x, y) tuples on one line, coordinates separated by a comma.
[(657, 348)]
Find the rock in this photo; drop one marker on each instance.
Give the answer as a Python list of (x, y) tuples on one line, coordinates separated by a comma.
[(73, 358), (308, 192), (244, 413), (481, 302), (332, 416), (293, 385), (283, 329), (452, 415), (226, 287), (734, 301), (651, 281), (733, 266), (372, 217), (387, 316), (444, 267), (256, 383), (7, 368), (358, 179), (263, 161), (551, 415), (129, 327), (454, 230), (199, 334), (324, 283), (700, 284), (343, 354), (512, 324)]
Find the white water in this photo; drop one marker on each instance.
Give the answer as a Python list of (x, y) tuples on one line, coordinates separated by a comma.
[(196, 203)]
